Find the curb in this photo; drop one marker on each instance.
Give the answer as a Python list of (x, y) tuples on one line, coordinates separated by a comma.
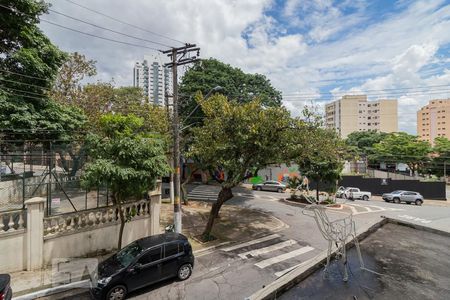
[(416, 226), (54, 290), (296, 275)]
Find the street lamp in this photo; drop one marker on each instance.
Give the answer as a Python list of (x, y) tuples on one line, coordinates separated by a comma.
[(214, 89), (175, 188)]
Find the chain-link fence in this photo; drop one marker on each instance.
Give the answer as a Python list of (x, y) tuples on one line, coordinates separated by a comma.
[(48, 169)]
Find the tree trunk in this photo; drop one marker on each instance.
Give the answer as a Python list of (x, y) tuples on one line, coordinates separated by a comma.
[(122, 226), (118, 205), (317, 191), (183, 188), (224, 195)]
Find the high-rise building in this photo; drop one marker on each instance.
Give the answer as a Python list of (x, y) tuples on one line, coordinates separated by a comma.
[(354, 113), (153, 78), (433, 120)]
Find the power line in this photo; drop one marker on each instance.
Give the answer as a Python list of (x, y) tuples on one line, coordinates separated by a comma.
[(26, 96), (111, 30), (23, 75), (99, 37), (372, 90), (27, 84), (21, 91), (125, 23), (82, 32)]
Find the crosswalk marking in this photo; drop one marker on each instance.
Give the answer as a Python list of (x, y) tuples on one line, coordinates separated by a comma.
[(268, 249), (249, 243), (281, 273), (270, 261)]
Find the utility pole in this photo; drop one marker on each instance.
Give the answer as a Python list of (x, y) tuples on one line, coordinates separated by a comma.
[(171, 186), (178, 56)]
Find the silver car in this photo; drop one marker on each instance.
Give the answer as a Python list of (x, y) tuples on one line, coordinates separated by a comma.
[(403, 196), (274, 186)]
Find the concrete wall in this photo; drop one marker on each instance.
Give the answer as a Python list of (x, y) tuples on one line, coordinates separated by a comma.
[(29, 241), (12, 254), (388, 116), (80, 244)]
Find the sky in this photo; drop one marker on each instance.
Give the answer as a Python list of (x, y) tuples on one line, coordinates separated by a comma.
[(313, 51)]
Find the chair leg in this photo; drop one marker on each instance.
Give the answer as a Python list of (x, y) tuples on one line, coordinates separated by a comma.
[(345, 261), (325, 271), (358, 249)]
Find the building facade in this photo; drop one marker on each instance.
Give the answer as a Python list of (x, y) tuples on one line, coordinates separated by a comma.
[(433, 120), (355, 113), (154, 79)]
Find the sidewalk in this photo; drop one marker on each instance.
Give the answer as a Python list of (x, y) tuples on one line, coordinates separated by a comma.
[(235, 224)]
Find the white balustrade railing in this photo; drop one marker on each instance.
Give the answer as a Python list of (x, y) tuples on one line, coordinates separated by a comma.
[(12, 221), (98, 217)]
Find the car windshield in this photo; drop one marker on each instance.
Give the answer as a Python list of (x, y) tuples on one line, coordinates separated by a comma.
[(128, 254)]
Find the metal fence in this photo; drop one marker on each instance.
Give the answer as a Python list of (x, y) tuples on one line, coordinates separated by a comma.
[(48, 169)]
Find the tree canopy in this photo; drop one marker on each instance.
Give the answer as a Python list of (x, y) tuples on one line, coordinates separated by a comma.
[(405, 148), (236, 85), (441, 157), (125, 159), (361, 143), (235, 140), (29, 63)]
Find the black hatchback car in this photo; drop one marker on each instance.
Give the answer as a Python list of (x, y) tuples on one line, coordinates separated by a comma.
[(141, 263), (5, 287)]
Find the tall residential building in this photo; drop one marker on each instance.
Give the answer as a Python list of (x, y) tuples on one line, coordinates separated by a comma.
[(433, 120), (153, 78), (355, 113)]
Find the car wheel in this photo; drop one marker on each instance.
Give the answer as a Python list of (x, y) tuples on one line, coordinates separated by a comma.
[(119, 292), (185, 271), (418, 202), (280, 190), (397, 200), (365, 198), (258, 188)]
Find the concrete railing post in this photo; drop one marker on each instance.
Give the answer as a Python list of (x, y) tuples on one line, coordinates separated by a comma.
[(35, 233), (155, 209)]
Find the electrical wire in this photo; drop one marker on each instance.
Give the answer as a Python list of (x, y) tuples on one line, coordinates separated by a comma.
[(125, 23), (108, 29), (82, 32), (99, 37)]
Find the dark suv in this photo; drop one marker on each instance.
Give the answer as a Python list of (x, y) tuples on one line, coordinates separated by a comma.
[(141, 263)]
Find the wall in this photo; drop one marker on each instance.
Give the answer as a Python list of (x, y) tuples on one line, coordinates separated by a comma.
[(29, 240), (83, 243), (378, 186), (388, 116)]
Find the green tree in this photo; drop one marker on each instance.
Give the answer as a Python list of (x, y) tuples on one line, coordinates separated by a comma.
[(441, 159), (236, 85), (29, 63), (362, 142), (236, 140), (125, 159), (403, 148), (319, 154)]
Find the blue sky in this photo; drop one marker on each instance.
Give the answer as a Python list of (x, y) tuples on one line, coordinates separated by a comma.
[(313, 51)]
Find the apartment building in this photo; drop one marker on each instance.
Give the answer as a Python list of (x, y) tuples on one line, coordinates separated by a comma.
[(153, 78), (433, 120), (355, 113)]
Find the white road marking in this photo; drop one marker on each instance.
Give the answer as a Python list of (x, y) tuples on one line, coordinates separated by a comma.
[(424, 221), (249, 243), (270, 261), (268, 249), (281, 273)]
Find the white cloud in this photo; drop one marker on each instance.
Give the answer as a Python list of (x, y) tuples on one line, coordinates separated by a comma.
[(298, 52)]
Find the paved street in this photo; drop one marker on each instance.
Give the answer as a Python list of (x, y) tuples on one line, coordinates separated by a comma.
[(238, 270)]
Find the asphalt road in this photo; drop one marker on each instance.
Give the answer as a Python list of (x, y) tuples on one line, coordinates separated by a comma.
[(237, 272)]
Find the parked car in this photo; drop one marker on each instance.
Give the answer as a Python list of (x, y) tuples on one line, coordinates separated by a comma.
[(403, 196), (141, 263), (274, 186), (356, 193), (5, 287), (340, 193)]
